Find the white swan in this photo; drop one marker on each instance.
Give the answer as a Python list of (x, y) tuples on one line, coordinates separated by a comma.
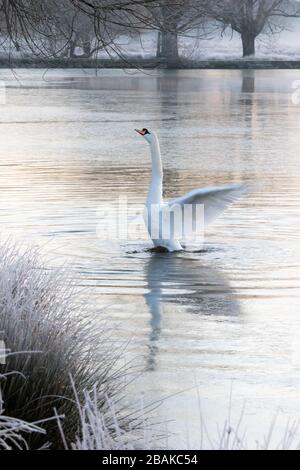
[(157, 215)]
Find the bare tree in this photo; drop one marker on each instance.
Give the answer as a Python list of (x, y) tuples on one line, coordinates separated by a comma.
[(250, 18), (23, 20), (173, 19), (170, 18), (49, 27), (79, 28)]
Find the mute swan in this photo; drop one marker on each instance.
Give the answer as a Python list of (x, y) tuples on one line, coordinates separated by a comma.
[(157, 214)]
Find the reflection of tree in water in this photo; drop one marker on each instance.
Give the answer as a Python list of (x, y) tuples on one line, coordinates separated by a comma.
[(168, 82), (248, 81), (183, 281)]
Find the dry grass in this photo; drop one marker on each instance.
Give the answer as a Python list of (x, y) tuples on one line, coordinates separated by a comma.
[(41, 318)]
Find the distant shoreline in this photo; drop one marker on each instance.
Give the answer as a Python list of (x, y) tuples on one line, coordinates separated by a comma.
[(149, 63)]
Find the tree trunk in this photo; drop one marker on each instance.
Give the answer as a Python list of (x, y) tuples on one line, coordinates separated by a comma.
[(73, 45), (248, 40), (169, 48), (158, 50), (168, 38), (87, 49), (72, 49)]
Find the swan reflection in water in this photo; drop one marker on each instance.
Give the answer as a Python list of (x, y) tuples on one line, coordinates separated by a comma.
[(184, 281)]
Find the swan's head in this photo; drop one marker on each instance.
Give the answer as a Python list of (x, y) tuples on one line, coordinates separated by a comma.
[(149, 136)]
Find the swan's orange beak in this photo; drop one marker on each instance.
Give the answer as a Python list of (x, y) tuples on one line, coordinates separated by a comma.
[(142, 133)]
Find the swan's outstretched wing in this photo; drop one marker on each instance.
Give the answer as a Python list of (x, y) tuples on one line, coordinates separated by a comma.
[(215, 200)]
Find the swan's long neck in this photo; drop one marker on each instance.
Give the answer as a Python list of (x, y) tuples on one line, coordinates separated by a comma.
[(155, 195)]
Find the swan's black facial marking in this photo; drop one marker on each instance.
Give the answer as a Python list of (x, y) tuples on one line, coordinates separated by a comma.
[(143, 132)]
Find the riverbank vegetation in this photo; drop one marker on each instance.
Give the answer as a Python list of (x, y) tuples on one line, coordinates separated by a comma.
[(60, 383)]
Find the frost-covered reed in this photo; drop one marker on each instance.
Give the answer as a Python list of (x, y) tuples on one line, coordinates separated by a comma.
[(52, 339), (13, 431)]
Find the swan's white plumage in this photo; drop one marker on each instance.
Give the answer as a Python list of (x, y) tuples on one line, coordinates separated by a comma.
[(214, 199)]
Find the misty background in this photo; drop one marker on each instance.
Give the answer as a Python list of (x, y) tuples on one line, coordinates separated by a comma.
[(170, 33)]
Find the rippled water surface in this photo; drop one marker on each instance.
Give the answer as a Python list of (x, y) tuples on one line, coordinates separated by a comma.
[(199, 323)]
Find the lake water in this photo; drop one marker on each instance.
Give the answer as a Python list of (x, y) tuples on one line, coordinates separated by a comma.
[(200, 324)]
